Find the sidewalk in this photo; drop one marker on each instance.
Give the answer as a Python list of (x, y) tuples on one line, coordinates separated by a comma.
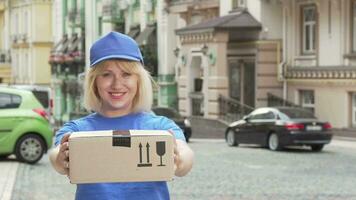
[(8, 169)]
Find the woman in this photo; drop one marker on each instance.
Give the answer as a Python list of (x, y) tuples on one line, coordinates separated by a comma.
[(119, 91)]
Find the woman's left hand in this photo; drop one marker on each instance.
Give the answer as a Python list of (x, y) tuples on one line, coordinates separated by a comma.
[(183, 157)]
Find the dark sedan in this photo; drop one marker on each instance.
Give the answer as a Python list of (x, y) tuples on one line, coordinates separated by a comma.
[(278, 127), (181, 121)]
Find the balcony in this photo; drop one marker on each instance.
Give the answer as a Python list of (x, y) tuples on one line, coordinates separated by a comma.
[(75, 17), (335, 72), (177, 6), (111, 12)]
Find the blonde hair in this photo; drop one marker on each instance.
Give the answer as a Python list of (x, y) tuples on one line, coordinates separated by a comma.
[(143, 98)]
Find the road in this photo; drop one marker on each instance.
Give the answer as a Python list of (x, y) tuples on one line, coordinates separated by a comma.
[(226, 173)]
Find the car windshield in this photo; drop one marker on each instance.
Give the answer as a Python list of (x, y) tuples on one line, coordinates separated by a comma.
[(166, 112), (297, 113)]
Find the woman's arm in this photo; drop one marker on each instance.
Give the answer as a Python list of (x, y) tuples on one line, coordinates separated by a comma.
[(183, 158), (59, 156)]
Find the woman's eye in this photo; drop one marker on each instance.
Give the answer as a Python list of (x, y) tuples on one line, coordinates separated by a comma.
[(125, 74), (106, 74)]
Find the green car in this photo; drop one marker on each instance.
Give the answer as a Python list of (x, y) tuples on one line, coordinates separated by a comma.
[(24, 127)]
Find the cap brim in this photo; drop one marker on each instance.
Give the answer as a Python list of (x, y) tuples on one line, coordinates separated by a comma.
[(115, 56)]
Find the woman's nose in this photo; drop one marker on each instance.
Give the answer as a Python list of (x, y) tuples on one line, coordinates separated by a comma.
[(118, 82)]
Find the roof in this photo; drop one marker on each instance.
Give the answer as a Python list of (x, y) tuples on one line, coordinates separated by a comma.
[(235, 20)]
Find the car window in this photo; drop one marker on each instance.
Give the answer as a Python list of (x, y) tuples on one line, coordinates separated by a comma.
[(297, 113), (265, 115), (9, 101), (42, 97)]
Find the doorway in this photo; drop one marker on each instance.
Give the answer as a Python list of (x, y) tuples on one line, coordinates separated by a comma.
[(242, 81)]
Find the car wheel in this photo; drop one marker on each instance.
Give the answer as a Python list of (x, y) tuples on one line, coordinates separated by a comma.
[(30, 148), (317, 147), (273, 142), (230, 138)]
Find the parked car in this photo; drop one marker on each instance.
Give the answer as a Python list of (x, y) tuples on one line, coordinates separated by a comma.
[(278, 127), (174, 115), (24, 127), (43, 95)]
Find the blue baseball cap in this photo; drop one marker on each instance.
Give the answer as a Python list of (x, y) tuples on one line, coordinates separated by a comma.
[(115, 45)]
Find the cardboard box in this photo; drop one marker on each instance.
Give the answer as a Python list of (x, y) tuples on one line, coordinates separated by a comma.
[(121, 156)]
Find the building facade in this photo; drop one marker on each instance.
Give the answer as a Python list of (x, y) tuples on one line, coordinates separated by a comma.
[(67, 59), (30, 40), (5, 53), (229, 56), (319, 39)]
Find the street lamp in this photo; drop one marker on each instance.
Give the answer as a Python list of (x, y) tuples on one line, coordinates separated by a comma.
[(176, 51), (204, 49)]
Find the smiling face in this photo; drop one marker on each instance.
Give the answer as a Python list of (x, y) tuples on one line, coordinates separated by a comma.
[(116, 88)]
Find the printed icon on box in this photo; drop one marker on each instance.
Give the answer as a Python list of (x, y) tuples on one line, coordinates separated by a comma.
[(161, 150), (148, 164)]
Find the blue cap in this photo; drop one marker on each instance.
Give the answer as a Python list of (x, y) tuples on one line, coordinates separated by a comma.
[(115, 45)]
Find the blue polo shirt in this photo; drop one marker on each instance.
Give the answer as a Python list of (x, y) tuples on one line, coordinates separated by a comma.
[(121, 191)]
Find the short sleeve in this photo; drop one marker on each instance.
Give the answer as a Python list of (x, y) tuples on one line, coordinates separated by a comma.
[(168, 124), (67, 128)]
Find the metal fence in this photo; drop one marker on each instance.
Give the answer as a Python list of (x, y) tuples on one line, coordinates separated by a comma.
[(273, 100), (232, 110)]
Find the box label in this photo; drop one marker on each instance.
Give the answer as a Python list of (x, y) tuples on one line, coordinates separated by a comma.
[(121, 139)]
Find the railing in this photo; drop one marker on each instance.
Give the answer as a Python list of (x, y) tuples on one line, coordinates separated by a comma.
[(232, 110), (336, 72), (273, 100)]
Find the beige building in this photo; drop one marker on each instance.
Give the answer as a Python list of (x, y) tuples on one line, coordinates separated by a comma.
[(320, 58), (5, 58), (229, 53), (238, 54), (30, 40)]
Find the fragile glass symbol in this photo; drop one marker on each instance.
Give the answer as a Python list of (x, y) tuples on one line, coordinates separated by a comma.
[(161, 150)]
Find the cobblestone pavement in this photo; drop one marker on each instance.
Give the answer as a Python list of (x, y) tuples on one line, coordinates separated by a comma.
[(228, 173)]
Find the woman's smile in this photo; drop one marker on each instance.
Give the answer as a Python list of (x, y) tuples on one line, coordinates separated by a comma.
[(117, 95)]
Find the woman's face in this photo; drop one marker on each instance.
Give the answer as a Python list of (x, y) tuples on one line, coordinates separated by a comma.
[(116, 89)]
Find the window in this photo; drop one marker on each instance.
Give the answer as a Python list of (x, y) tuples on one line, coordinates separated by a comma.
[(235, 81), (309, 29), (262, 114), (25, 23), (9, 101), (238, 3), (306, 99), (353, 95), (353, 21), (295, 113)]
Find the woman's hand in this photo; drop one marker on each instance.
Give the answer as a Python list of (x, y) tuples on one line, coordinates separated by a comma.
[(60, 156), (183, 157)]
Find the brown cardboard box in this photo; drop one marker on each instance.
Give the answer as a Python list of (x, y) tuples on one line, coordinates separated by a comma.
[(121, 156)]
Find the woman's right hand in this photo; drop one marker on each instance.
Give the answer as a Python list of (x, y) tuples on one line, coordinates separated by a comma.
[(60, 156)]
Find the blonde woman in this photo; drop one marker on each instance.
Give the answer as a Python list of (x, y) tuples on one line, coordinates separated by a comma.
[(119, 91)]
